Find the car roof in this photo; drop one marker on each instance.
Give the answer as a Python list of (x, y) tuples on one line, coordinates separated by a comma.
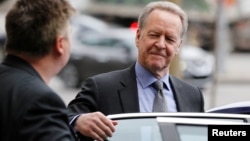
[(246, 118), (180, 114), (195, 121)]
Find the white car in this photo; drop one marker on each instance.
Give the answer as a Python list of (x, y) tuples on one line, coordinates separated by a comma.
[(175, 126)]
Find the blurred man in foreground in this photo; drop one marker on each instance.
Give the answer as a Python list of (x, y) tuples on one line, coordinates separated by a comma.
[(37, 48)]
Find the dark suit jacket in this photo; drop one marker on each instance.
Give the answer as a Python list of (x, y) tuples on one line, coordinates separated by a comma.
[(116, 92), (29, 109)]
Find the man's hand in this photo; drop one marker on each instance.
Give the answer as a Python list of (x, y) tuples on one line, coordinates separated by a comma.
[(95, 125)]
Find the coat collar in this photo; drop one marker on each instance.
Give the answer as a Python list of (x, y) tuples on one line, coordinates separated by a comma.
[(128, 91), (19, 63), (180, 96)]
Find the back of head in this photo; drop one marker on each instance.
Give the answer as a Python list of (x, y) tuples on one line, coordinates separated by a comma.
[(166, 6), (32, 26)]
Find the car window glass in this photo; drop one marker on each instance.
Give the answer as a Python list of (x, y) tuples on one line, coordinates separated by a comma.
[(192, 133), (137, 130)]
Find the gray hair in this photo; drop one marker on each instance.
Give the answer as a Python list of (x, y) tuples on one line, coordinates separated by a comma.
[(167, 6)]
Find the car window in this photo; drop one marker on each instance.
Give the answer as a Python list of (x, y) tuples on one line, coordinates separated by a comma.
[(192, 132), (137, 130), (191, 129)]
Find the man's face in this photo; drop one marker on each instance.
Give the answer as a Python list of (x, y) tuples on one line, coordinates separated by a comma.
[(159, 41)]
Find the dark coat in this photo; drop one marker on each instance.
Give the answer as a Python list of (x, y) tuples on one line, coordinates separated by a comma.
[(29, 109), (116, 92)]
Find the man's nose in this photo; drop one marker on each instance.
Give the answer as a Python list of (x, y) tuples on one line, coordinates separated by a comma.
[(161, 43)]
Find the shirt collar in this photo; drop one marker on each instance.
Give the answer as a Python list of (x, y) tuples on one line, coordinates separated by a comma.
[(146, 78)]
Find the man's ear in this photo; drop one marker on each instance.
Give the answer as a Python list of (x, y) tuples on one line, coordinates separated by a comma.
[(59, 46), (138, 34), (178, 48)]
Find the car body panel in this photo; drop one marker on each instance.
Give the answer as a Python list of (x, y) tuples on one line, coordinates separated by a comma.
[(242, 107)]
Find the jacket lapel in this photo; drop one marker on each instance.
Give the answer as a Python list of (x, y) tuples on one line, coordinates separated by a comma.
[(128, 91), (179, 94)]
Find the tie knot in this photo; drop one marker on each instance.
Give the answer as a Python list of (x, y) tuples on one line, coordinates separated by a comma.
[(158, 85)]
